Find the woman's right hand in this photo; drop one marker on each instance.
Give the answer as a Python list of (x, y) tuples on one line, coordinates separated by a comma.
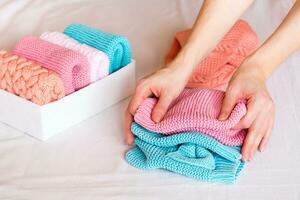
[(165, 84)]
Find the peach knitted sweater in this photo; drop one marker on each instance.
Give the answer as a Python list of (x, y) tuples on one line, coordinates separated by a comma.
[(217, 68)]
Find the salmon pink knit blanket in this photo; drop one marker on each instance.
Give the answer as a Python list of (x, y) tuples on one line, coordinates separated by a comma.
[(218, 67), (29, 80), (72, 67), (195, 110)]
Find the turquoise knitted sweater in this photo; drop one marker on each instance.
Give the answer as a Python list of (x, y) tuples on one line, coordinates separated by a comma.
[(116, 47), (191, 154)]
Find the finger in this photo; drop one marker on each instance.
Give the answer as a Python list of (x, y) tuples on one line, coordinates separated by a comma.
[(229, 101), (140, 95), (161, 107), (266, 138), (253, 108), (254, 137), (127, 128)]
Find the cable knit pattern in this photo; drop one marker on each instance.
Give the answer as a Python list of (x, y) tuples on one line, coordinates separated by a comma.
[(29, 80), (98, 61), (195, 110), (71, 66), (190, 154), (218, 67), (116, 47)]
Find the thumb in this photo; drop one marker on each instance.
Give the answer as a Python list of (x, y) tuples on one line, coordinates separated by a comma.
[(229, 101), (161, 107)]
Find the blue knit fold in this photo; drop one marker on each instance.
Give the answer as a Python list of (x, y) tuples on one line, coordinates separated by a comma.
[(191, 154), (116, 47)]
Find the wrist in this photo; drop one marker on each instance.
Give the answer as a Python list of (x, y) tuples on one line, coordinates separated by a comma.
[(259, 67), (186, 61)]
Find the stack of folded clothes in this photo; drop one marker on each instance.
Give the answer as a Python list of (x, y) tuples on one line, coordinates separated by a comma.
[(190, 140), (47, 68)]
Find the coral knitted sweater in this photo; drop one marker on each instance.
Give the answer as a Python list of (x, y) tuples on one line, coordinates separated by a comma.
[(217, 68)]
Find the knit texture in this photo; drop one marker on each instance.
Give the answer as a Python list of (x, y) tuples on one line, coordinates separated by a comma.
[(195, 110), (218, 67), (71, 66), (116, 47), (98, 60), (191, 154), (29, 80)]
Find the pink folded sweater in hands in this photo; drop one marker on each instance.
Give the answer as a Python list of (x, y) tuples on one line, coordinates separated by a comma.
[(72, 67), (195, 110)]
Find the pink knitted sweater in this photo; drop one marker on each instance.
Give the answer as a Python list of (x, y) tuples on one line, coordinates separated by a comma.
[(71, 66), (195, 110)]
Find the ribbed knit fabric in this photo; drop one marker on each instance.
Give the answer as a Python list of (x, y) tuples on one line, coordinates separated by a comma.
[(71, 66), (218, 67), (195, 110), (116, 47), (98, 60), (190, 154), (29, 80)]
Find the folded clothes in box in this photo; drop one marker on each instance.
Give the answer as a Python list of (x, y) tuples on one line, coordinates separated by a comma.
[(78, 60), (55, 72)]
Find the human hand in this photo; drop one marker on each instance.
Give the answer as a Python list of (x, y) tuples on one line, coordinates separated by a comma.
[(165, 84), (249, 82)]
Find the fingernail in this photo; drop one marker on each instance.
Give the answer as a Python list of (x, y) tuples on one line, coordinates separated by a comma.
[(128, 142), (222, 117), (245, 159), (156, 119), (262, 149), (250, 158)]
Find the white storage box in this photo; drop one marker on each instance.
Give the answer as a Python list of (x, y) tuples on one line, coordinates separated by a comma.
[(42, 122)]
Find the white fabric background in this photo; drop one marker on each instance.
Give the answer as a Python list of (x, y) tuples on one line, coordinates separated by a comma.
[(86, 162)]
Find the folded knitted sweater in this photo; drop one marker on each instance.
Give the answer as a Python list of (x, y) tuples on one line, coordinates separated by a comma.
[(98, 60), (29, 80), (116, 47), (195, 110), (191, 154), (217, 68), (72, 67)]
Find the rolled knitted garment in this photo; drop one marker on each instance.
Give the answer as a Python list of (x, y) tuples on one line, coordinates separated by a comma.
[(218, 67), (29, 80), (195, 110), (98, 60), (190, 154), (72, 67), (116, 47)]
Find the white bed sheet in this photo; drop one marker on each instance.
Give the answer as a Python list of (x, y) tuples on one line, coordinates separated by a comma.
[(86, 162)]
